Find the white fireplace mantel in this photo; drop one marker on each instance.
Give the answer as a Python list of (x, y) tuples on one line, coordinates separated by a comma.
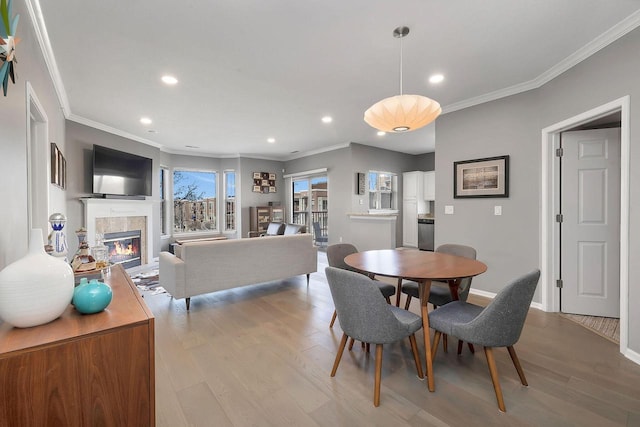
[(113, 208)]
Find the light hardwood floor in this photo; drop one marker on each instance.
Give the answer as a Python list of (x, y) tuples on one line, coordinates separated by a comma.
[(261, 356)]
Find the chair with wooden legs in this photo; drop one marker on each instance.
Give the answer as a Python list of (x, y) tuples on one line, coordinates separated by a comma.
[(364, 316), (440, 293), (336, 255), (498, 325)]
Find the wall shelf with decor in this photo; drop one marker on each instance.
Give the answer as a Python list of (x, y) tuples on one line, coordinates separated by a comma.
[(264, 182), (261, 216)]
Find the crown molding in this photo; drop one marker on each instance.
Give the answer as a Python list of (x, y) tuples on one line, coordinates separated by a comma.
[(106, 128), (623, 27), (35, 14)]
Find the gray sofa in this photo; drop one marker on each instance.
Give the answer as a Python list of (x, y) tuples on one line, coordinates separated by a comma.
[(202, 267)]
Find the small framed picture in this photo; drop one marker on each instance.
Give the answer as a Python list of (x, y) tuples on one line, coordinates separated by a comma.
[(256, 175), (257, 189), (272, 176), (272, 189), (265, 182)]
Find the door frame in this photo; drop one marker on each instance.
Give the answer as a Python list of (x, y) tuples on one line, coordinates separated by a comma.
[(549, 202), (37, 145)]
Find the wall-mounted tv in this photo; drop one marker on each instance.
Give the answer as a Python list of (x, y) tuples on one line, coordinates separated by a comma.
[(121, 174)]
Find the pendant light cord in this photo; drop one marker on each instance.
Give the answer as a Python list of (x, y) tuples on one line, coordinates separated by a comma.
[(401, 65)]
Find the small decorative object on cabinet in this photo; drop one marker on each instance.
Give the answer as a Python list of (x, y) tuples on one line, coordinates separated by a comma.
[(92, 297), (96, 370), (37, 288), (264, 182), (57, 238)]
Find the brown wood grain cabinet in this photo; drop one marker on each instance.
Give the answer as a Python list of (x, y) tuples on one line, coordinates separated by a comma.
[(82, 370)]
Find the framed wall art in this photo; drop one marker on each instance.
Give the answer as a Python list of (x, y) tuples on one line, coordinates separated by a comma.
[(264, 182), (58, 167), (488, 177)]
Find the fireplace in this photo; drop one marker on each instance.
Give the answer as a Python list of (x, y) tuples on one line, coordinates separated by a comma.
[(124, 248), (105, 216)]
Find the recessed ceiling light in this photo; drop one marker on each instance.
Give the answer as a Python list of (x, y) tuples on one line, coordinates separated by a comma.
[(271, 140), (436, 78), (170, 80), (381, 133), (146, 121), (327, 119)]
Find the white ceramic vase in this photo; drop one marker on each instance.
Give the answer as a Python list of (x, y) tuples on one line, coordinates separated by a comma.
[(37, 288)]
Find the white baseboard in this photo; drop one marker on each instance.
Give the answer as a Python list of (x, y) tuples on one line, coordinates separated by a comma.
[(492, 295), (632, 355)]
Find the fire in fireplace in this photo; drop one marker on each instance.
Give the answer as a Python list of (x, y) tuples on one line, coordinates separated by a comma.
[(124, 248)]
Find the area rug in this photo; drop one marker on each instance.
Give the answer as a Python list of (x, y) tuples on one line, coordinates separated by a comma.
[(148, 281), (606, 327)]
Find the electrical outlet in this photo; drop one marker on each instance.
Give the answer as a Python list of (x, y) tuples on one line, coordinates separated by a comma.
[(340, 239), (361, 202), (448, 210), (497, 210)]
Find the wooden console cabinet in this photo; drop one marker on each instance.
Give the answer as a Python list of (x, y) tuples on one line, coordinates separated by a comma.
[(82, 370)]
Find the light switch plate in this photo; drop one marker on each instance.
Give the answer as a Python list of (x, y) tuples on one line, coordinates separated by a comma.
[(448, 210), (497, 210)]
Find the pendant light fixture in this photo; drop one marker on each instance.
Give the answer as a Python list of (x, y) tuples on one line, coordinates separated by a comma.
[(402, 113)]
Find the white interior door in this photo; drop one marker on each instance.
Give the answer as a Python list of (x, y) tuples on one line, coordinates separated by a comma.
[(590, 243)]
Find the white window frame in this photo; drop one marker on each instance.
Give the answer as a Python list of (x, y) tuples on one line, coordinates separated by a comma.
[(213, 231), (226, 199), (378, 193), (165, 179)]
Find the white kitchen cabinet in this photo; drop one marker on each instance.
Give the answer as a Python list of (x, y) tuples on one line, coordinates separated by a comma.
[(410, 223), (429, 185), (412, 183)]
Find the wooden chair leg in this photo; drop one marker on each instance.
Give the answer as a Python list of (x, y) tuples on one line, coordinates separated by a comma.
[(187, 302), (398, 291), (367, 348), (388, 300), (333, 318), (436, 341), (516, 363), (351, 341), (493, 371), (460, 342), (445, 342), (343, 342), (376, 387), (471, 349), (406, 304), (416, 356)]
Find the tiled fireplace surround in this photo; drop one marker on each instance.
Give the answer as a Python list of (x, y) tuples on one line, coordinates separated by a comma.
[(115, 215)]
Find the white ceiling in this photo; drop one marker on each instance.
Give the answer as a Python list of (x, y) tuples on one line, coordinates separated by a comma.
[(253, 69)]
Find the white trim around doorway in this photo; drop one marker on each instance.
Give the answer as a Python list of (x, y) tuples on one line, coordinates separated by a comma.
[(548, 209)]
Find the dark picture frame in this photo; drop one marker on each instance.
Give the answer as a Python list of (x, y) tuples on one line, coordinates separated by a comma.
[(486, 177), (58, 167)]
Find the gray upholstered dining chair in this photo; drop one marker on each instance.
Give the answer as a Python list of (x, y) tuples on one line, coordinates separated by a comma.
[(318, 237), (364, 316), (440, 293), (336, 255), (498, 325)]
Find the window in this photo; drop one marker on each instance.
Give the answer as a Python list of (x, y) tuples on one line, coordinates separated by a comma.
[(382, 191), (194, 201), (163, 201), (229, 200)]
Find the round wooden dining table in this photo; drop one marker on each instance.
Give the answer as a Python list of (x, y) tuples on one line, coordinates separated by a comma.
[(421, 267)]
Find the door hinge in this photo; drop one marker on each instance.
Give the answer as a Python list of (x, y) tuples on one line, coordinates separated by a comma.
[(559, 218), (559, 283), (559, 152)]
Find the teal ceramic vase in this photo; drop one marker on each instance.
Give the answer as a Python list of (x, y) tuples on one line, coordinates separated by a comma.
[(92, 297)]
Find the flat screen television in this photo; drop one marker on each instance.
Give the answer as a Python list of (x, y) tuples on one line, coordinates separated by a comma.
[(121, 174)]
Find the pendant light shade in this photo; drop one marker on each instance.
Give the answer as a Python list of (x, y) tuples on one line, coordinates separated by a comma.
[(402, 113)]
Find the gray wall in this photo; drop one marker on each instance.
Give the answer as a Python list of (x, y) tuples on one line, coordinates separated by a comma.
[(509, 244), (342, 166), (80, 141), (13, 141)]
